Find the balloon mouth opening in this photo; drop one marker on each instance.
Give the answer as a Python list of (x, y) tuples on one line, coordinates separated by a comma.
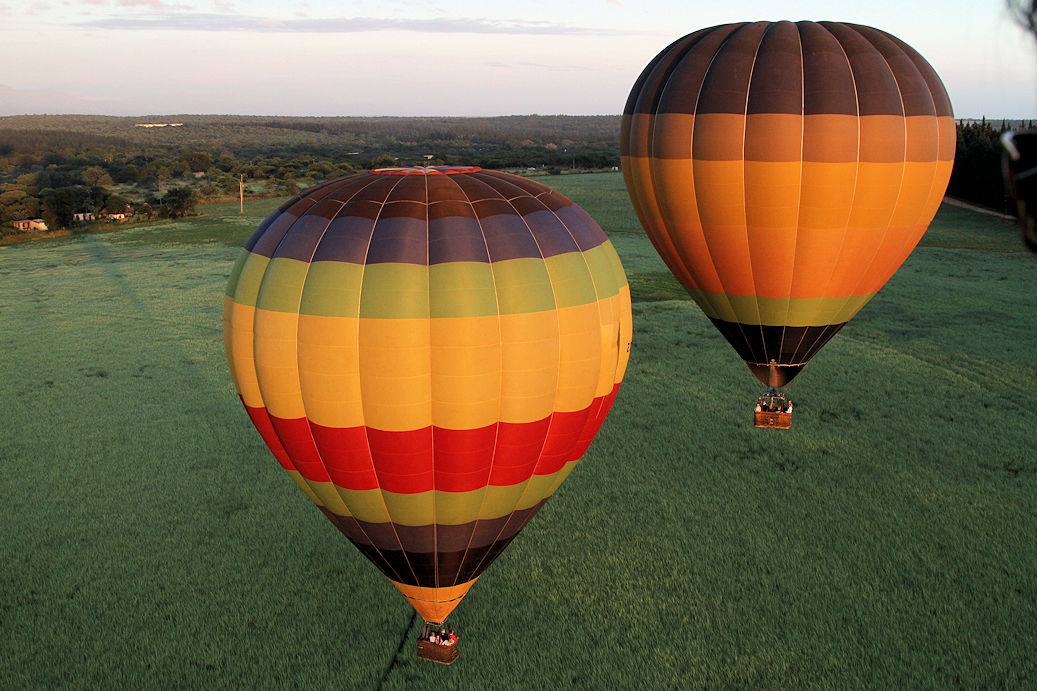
[(426, 170), (774, 374)]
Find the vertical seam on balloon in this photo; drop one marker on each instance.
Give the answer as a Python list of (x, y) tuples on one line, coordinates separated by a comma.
[(745, 193), (255, 312), (554, 404), (653, 114), (917, 60), (432, 394), (853, 199), (601, 356), (799, 207), (636, 191), (936, 162), (679, 255), (316, 446), (597, 298), (360, 381), (903, 171), (709, 253), (500, 395)]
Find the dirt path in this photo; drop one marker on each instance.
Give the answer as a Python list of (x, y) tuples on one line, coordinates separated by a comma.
[(980, 209)]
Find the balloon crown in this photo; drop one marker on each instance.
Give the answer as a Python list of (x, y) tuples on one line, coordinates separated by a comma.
[(426, 170)]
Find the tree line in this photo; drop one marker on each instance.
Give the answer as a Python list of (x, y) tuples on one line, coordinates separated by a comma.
[(977, 177), (56, 166)]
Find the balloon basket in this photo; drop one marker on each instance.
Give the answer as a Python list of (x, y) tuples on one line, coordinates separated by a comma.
[(436, 652), (766, 420), (773, 411), (433, 651)]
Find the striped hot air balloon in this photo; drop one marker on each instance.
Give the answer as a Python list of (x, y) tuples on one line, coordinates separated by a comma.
[(428, 352), (784, 171)]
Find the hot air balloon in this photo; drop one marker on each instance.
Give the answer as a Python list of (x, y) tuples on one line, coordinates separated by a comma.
[(784, 171), (428, 352)]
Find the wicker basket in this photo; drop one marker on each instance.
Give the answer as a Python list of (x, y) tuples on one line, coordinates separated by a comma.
[(768, 420), (443, 654)]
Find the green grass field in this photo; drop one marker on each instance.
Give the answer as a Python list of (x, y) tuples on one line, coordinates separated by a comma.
[(148, 538)]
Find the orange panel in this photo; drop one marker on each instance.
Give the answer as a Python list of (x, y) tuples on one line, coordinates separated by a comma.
[(773, 137), (671, 137), (638, 176), (678, 203), (948, 140), (923, 138), (825, 203), (434, 604), (720, 189), (639, 127), (719, 137), (875, 197), (906, 226), (772, 213), (883, 138), (830, 138)]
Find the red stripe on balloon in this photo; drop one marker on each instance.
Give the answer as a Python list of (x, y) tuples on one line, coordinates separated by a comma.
[(501, 454), (261, 420)]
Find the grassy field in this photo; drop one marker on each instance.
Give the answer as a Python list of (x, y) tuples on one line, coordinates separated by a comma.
[(890, 539)]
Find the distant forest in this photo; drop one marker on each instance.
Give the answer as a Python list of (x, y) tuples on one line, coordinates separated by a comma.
[(60, 165), (55, 167)]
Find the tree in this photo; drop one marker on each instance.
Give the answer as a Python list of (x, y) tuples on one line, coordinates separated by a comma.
[(116, 203), (123, 173), (179, 202), (12, 196), (16, 204), (198, 161), (59, 204), (159, 170), (227, 161), (95, 176)]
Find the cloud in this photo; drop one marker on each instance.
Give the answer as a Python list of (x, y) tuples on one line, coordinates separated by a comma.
[(146, 4), (143, 4), (197, 21), (37, 8)]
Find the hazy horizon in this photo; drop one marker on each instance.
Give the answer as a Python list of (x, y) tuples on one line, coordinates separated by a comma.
[(435, 58), (418, 116)]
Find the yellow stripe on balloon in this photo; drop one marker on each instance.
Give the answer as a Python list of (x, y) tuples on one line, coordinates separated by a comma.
[(543, 362), (442, 508)]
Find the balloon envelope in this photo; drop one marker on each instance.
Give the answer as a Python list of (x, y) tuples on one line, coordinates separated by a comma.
[(428, 352), (784, 171)]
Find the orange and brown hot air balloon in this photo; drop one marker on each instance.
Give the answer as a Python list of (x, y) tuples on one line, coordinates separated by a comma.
[(428, 352), (784, 171)]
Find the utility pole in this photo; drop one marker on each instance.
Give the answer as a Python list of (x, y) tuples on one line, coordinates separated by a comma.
[(241, 194)]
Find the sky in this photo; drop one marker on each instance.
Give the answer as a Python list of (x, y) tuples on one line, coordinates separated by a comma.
[(438, 57)]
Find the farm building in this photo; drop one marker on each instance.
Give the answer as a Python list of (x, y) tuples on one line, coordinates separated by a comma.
[(122, 215), (29, 224), (84, 216)]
